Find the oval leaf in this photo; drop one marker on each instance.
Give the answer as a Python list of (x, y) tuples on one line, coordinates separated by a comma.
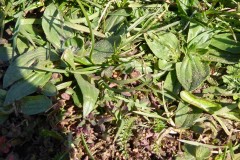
[(192, 72), (52, 24), (102, 50), (26, 87), (164, 46), (226, 42), (20, 67), (89, 92), (194, 30), (185, 115), (115, 20), (171, 86), (49, 89), (31, 105)]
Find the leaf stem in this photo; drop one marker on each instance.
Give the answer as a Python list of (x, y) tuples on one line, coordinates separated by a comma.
[(90, 28), (86, 147), (165, 108)]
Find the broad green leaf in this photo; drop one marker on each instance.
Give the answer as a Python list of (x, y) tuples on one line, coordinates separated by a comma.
[(229, 111), (165, 65), (234, 115), (2, 14), (77, 97), (82, 60), (186, 115), (194, 30), (119, 36), (23, 45), (102, 50), (115, 20), (83, 28), (20, 66), (186, 156), (217, 55), (75, 42), (64, 85), (89, 92), (201, 103), (153, 44), (171, 85), (198, 152), (26, 86), (32, 34), (68, 57), (5, 53), (52, 24), (164, 45), (226, 108), (195, 143), (192, 72), (226, 43), (3, 116), (49, 89), (201, 41), (138, 66), (31, 105), (29, 38), (184, 5)]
